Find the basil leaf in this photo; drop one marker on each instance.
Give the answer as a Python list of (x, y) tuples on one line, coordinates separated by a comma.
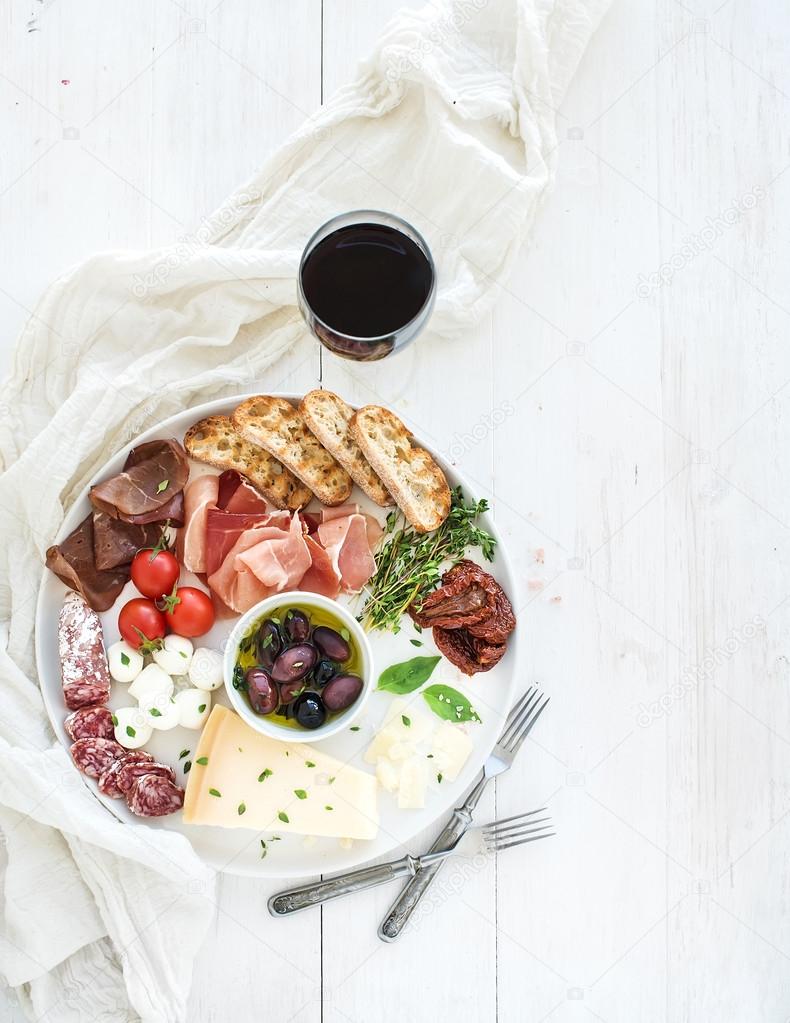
[(407, 676), (241, 809), (214, 792), (283, 817), (163, 486), (300, 793), (125, 659), (201, 708), (449, 704), (265, 773), (202, 761), (183, 753), (187, 766), (155, 712)]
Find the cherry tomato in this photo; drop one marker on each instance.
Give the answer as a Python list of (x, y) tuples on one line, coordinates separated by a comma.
[(154, 572), (141, 623), (189, 611)]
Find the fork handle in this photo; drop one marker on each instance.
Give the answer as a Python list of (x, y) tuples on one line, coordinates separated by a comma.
[(403, 907), (295, 899)]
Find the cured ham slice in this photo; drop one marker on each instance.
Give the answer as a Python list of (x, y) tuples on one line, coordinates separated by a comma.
[(345, 541), (374, 530), (224, 528), (238, 495), (235, 585), (200, 495), (321, 577), (279, 562), (150, 486), (73, 562)]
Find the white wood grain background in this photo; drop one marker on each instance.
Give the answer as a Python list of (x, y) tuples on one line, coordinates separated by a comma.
[(627, 405)]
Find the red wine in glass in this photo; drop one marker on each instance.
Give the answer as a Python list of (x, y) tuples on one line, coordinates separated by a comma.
[(367, 284)]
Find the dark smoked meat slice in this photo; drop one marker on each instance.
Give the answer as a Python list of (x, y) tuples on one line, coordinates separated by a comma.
[(154, 796), (73, 563), (116, 542), (154, 474), (468, 653)]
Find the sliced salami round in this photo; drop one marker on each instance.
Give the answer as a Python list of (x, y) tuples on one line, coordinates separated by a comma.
[(82, 694), (154, 796), (108, 780), (94, 722), (94, 755), (130, 771)]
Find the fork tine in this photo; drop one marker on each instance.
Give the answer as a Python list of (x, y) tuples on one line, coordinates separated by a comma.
[(529, 836), (493, 825), (515, 829), (517, 706), (523, 841), (527, 727), (519, 713)]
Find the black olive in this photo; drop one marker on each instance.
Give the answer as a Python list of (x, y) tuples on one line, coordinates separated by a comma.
[(309, 710), (331, 643), (324, 671), (342, 691), (261, 691), (268, 643), (296, 625), (294, 662)]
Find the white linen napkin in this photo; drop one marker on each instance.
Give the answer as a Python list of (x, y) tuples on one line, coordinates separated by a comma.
[(101, 918)]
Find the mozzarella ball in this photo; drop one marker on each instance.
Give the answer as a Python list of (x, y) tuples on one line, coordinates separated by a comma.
[(124, 661), (161, 713), (205, 672), (194, 706), (151, 683), (131, 728), (175, 655)]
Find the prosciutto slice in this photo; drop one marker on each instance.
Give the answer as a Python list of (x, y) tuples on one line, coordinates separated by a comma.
[(346, 543), (238, 495), (322, 576), (279, 562), (200, 496), (235, 585), (149, 487), (374, 530), (224, 528)]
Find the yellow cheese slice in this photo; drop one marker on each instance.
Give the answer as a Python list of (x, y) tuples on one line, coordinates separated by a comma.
[(242, 779)]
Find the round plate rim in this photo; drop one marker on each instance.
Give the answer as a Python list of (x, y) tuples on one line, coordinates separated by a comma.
[(71, 520)]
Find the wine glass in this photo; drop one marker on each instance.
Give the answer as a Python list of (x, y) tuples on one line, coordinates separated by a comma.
[(367, 284)]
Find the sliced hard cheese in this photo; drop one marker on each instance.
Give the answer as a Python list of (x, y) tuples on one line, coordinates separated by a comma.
[(413, 782), (451, 749), (329, 799)]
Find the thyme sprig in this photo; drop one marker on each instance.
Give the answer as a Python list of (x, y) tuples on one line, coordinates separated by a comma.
[(409, 564)]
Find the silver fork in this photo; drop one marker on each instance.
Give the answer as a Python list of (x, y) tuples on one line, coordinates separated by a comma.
[(519, 724), (487, 838)]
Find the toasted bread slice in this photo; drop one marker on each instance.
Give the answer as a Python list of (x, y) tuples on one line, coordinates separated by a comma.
[(328, 417), (408, 472), (276, 425), (214, 440)]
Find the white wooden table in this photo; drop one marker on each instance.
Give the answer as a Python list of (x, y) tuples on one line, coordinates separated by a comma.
[(628, 403)]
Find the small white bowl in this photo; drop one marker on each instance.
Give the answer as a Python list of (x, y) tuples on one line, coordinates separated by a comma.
[(268, 724)]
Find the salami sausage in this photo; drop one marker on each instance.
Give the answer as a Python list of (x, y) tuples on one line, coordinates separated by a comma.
[(130, 771), (154, 796), (108, 779), (93, 722), (83, 662), (94, 755)]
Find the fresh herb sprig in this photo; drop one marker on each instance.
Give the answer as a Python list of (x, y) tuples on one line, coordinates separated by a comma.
[(409, 564)]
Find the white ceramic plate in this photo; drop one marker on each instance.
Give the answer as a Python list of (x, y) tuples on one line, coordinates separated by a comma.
[(238, 851)]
